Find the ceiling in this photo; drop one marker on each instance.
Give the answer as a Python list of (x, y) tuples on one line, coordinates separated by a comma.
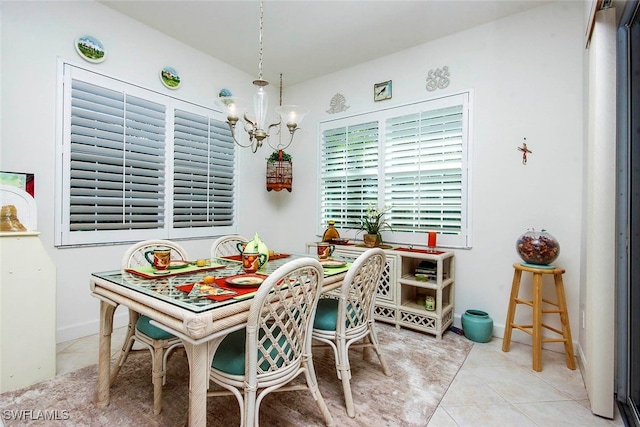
[(304, 39)]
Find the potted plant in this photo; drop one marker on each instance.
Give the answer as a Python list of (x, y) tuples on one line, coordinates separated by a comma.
[(373, 223)]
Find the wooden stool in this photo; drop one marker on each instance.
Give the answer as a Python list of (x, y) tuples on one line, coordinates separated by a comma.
[(535, 329)]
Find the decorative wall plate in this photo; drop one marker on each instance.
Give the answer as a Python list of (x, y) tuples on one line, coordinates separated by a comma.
[(90, 49), (170, 78)]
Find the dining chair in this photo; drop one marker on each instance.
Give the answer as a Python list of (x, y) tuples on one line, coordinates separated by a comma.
[(275, 346), (226, 245), (159, 342), (342, 322)]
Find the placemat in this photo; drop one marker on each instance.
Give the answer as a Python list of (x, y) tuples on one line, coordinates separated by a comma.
[(333, 271), (422, 251), (241, 292), (271, 257), (149, 272)]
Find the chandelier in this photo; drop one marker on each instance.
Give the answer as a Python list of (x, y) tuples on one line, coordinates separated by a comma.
[(256, 126)]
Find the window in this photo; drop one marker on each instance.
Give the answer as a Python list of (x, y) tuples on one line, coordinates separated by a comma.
[(413, 158), (136, 164)]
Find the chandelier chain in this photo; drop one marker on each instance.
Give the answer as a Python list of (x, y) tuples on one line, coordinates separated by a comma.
[(258, 131), (260, 41)]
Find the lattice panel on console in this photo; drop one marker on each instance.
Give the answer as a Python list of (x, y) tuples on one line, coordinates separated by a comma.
[(385, 292), (447, 317), (385, 313), (417, 320)]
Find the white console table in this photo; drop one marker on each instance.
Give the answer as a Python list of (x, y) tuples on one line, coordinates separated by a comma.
[(397, 294)]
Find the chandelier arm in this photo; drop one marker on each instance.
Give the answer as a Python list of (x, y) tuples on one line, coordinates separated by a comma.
[(251, 138), (254, 125)]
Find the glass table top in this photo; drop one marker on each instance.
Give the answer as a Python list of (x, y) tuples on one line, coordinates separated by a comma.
[(165, 287)]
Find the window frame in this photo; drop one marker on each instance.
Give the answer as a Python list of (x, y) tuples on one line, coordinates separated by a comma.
[(64, 237), (464, 238)]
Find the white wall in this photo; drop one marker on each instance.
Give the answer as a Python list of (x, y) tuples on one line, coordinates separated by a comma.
[(525, 73), (35, 36)]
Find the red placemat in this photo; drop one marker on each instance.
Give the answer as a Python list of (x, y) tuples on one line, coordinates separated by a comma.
[(271, 257), (222, 282), (422, 251)]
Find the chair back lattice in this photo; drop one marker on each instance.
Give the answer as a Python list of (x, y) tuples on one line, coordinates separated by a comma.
[(134, 256), (281, 319), (226, 246), (358, 292)]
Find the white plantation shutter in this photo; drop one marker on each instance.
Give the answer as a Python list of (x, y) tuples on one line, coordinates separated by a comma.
[(413, 158), (136, 164), (203, 172), (117, 160), (423, 170), (349, 172)]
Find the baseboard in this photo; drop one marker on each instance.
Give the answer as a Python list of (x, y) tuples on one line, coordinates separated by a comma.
[(522, 338), (85, 329)]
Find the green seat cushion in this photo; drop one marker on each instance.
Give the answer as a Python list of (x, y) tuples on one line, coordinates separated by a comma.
[(326, 314), (151, 331), (230, 355)]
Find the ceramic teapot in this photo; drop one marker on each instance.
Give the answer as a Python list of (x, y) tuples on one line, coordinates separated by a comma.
[(255, 245)]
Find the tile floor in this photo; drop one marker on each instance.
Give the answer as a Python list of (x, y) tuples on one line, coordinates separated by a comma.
[(491, 389)]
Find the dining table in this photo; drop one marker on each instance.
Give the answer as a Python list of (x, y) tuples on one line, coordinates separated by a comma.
[(201, 321)]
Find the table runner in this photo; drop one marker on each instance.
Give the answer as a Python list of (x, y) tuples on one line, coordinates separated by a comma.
[(423, 251)]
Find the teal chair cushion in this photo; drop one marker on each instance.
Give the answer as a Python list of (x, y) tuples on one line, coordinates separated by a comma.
[(151, 331), (230, 355), (326, 314)]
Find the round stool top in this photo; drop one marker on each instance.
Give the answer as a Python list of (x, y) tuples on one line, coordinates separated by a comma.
[(541, 270)]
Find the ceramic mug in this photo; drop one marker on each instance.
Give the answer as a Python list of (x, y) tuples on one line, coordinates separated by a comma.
[(252, 261), (325, 250), (161, 258), (241, 246)]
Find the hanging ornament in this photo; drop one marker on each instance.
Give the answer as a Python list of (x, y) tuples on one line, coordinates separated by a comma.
[(279, 171), (524, 150)]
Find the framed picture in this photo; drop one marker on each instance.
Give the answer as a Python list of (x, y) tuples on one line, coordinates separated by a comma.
[(23, 181), (90, 49), (382, 91), (170, 78)]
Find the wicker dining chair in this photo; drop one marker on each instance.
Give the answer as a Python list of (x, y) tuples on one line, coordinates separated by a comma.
[(159, 342), (226, 245), (341, 323), (275, 346)]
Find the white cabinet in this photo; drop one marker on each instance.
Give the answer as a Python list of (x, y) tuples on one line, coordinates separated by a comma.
[(27, 311), (399, 290)]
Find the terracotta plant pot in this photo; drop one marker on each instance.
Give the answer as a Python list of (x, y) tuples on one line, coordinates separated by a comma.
[(371, 240)]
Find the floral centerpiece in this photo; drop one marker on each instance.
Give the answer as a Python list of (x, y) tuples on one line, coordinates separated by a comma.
[(373, 223)]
